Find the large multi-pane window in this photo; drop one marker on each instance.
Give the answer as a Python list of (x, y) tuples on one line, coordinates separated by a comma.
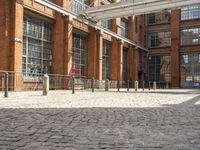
[(190, 70), (37, 46), (159, 39), (79, 55), (106, 60), (190, 36), (161, 17), (78, 5), (160, 68), (125, 57), (106, 24), (124, 28), (190, 12)]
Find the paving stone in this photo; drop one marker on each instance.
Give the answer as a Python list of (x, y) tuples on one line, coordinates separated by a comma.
[(169, 120)]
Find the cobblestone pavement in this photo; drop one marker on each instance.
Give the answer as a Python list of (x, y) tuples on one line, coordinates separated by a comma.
[(167, 120)]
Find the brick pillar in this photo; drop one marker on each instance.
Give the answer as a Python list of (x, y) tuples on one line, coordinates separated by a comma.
[(92, 51), (116, 58), (113, 60), (99, 56), (114, 53), (175, 46), (115, 25), (120, 61), (16, 43), (5, 23), (58, 57), (68, 46), (135, 66), (16, 36)]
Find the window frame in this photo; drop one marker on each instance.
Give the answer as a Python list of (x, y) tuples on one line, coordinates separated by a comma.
[(186, 12), (156, 39), (37, 47)]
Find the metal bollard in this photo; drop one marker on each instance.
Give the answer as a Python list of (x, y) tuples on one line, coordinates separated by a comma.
[(73, 82), (6, 85), (93, 84), (143, 84), (107, 85), (154, 85), (128, 85), (149, 85), (45, 85), (85, 83), (136, 85), (118, 86), (167, 86)]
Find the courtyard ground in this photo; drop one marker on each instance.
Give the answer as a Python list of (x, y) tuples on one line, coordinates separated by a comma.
[(150, 120)]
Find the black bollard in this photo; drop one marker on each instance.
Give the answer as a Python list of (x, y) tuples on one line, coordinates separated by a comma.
[(107, 85), (6, 85), (85, 83), (93, 84), (149, 85), (73, 82), (118, 85), (128, 85), (143, 84)]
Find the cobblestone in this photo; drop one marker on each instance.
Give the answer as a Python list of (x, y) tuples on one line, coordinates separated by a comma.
[(167, 120)]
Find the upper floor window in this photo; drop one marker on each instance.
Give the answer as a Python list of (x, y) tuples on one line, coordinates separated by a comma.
[(161, 17), (124, 28), (159, 39), (106, 24), (190, 12), (78, 5), (190, 36)]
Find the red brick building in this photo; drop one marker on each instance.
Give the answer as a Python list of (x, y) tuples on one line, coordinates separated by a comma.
[(174, 46), (36, 39)]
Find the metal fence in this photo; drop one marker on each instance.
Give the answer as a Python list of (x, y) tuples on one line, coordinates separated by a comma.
[(18, 81)]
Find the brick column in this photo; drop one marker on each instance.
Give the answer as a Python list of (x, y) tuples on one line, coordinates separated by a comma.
[(5, 23), (115, 53), (175, 46), (115, 25), (99, 56), (116, 58), (16, 43), (113, 60), (120, 61), (92, 50), (16, 36), (135, 66), (59, 43), (68, 46)]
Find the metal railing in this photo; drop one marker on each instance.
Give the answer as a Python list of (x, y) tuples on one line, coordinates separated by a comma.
[(17, 81)]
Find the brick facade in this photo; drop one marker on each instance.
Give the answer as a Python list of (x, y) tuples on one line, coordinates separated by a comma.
[(11, 45)]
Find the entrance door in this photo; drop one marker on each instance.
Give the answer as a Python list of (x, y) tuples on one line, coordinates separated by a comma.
[(190, 70)]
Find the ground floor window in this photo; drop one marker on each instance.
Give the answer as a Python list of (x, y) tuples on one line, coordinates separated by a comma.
[(160, 68), (124, 70), (79, 55), (106, 60), (37, 46), (190, 70)]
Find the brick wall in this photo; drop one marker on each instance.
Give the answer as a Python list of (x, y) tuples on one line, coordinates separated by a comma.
[(11, 31)]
